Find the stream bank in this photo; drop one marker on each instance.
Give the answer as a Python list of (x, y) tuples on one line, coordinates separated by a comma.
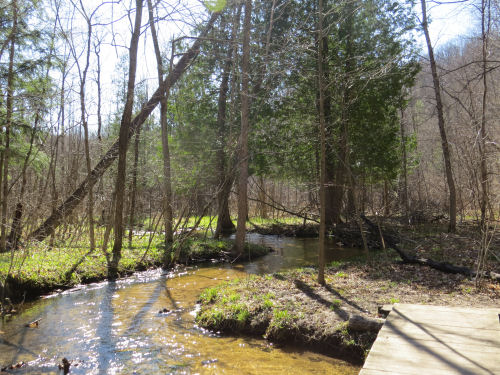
[(290, 307), (145, 324), (42, 271)]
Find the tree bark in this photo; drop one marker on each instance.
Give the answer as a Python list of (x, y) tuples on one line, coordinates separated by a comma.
[(442, 131), (88, 162), (224, 169), (239, 242), (8, 125), (322, 130), (167, 179), (133, 192), (485, 29), (123, 144), (65, 209)]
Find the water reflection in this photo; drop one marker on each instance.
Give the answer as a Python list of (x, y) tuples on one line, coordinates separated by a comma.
[(117, 327)]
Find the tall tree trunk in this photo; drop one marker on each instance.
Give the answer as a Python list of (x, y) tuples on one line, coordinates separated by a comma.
[(332, 212), (342, 168), (167, 179), (67, 207), (442, 131), (485, 30), (224, 168), (123, 144), (8, 125), (322, 130), (239, 242), (88, 162)]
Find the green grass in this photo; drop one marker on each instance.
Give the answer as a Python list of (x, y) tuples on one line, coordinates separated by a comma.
[(336, 303), (43, 267), (281, 318), (291, 220), (210, 222), (40, 268)]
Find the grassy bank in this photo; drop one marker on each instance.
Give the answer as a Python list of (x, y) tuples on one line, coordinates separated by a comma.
[(292, 307), (39, 270)]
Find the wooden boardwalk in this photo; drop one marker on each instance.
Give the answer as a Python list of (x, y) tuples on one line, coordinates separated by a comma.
[(428, 340)]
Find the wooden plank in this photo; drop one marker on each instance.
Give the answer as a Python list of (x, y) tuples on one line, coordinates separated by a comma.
[(437, 332), (452, 318), (427, 308), (420, 339), (422, 360), (457, 347)]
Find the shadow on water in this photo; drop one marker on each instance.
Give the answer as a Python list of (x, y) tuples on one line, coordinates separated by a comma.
[(138, 319), (104, 328)]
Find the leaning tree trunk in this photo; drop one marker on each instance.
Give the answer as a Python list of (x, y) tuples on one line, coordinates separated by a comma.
[(239, 242), (65, 209), (442, 131)]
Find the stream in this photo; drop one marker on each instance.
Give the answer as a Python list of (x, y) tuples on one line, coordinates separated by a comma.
[(117, 327)]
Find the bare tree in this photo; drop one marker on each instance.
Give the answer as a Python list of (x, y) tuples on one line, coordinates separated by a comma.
[(441, 123), (123, 143), (485, 32), (67, 207)]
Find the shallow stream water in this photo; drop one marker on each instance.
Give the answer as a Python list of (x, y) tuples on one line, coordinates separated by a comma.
[(116, 327)]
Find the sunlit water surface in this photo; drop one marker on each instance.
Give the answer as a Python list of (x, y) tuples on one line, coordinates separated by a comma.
[(116, 327)]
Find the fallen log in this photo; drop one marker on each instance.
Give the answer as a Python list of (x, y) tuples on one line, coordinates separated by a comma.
[(440, 266)]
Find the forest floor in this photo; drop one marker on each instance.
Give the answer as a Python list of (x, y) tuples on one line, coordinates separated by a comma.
[(292, 307), (31, 272)]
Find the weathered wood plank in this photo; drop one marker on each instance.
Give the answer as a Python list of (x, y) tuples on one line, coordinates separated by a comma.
[(479, 320), (433, 308), (448, 334), (420, 339)]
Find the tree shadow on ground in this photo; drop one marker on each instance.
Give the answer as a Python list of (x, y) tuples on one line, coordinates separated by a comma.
[(309, 292)]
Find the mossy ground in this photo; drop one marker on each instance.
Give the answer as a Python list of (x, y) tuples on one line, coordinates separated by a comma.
[(292, 307)]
